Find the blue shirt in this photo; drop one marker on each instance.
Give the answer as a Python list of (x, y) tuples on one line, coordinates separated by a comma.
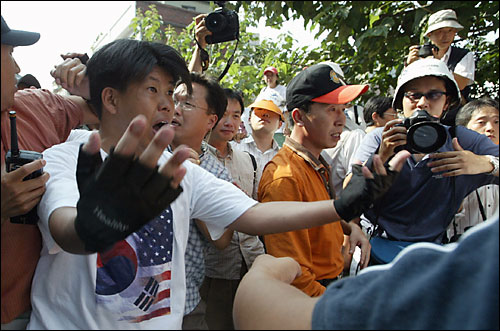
[(419, 206), (195, 260), (427, 287)]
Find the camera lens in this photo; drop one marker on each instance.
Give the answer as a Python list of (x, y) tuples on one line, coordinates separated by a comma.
[(426, 137), (215, 22)]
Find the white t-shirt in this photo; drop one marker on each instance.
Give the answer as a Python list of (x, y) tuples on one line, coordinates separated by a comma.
[(140, 283), (341, 156), (465, 68)]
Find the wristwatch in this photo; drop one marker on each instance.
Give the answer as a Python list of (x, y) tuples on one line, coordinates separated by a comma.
[(494, 163)]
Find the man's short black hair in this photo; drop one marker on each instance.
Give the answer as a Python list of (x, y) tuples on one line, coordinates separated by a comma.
[(124, 61), (465, 113), (377, 105), (216, 97), (235, 95)]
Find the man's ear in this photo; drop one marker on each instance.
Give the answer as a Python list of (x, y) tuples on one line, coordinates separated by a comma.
[(110, 99), (297, 117), (212, 119)]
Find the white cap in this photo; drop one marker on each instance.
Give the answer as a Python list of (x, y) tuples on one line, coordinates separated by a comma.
[(446, 18), (422, 68)]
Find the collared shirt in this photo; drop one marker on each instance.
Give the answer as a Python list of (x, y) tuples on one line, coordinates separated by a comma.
[(226, 263), (195, 250), (294, 174), (262, 158)]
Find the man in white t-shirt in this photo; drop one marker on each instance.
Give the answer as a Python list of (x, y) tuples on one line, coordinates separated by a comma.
[(115, 234)]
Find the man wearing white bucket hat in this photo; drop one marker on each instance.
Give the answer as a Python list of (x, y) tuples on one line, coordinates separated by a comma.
[(442, 28), (422, 201)]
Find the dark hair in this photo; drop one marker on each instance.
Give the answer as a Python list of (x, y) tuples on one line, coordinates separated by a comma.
[(235, 95), (465, 113), (377, 105), (124, 61), (216, 97), (305, 106)]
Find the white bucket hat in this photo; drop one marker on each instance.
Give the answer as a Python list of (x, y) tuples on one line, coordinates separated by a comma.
[(446, 18), (422, 68)]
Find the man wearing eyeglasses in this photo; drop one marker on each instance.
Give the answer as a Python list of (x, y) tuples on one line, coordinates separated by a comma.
[(422, 201)]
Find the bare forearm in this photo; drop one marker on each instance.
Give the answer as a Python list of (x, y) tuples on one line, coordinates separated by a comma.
[(283, 216), (263, 302), (195, 63), (62, 229)]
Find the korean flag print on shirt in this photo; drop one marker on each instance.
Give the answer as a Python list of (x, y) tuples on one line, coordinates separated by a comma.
[(133, 280)]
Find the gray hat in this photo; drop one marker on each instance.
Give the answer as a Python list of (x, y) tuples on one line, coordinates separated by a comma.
[(422, 68), (446, 18)]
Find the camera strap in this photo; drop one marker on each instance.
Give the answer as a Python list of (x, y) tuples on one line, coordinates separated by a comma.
[(205, 58), (229, 62)]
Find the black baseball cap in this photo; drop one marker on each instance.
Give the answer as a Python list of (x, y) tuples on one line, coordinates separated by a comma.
[(17, 37), (321, 83)]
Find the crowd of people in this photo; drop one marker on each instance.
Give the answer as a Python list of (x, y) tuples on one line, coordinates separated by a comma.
[(186, 209)]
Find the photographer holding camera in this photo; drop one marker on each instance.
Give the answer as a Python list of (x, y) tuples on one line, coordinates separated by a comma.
[(425, 197), (442, 29)]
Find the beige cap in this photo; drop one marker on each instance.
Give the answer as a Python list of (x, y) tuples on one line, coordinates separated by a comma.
[(446, 18)]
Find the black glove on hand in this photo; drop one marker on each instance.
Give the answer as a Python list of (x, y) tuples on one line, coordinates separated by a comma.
[(362, 192), (117, 198)]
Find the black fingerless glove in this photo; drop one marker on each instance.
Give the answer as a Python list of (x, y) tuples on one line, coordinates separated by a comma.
[(361, 192), (117, 198)]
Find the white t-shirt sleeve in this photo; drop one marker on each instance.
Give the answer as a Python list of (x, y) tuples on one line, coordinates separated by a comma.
[(466, 67), (216, 202), (61, 188)]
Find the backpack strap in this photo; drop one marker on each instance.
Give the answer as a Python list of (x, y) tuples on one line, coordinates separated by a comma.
[(456, 55), (254, 163), (356, 116)]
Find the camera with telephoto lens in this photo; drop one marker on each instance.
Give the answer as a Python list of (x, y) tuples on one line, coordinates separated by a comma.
[(425, 50), (15, 159), (223, 23), (424, 133)]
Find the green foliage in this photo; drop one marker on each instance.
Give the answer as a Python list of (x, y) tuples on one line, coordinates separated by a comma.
[(369, 39)]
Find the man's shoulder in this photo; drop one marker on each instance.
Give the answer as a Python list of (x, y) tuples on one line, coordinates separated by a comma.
[(69, 147), (284, 163)]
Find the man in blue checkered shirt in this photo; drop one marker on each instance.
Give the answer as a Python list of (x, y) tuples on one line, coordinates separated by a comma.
[(194, 117)]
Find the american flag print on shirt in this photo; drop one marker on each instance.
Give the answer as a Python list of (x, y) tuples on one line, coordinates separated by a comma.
[(133, 278)]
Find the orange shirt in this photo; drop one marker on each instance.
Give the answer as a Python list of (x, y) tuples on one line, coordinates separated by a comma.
[(43, 119), (295, 175)]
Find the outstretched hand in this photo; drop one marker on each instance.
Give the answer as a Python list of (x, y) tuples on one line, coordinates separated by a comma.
[(365, 187), (128, 190)]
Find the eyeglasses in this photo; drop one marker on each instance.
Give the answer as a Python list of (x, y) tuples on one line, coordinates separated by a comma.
[(432, 95), (393, 115), (187, 106)]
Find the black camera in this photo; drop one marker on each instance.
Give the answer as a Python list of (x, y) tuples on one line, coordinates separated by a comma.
[(15, 159), (223, 23), (425, 50), (424, 133)]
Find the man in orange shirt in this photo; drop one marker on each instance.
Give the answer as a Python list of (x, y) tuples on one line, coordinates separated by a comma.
[(43, 119), (316, 98)]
